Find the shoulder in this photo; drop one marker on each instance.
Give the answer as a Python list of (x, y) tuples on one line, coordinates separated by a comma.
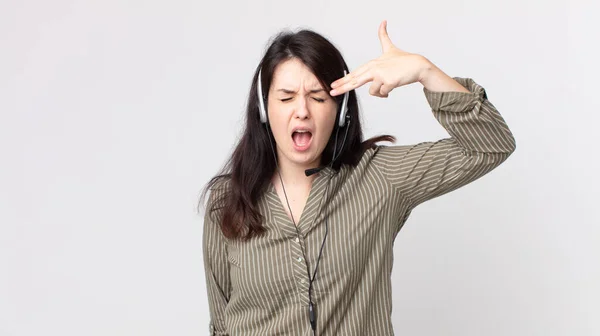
[(219, 185), (391, 159), (380, 154), (218, 190), (371, 161)]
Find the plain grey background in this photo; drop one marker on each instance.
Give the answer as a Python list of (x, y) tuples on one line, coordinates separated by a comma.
[(114, 114)]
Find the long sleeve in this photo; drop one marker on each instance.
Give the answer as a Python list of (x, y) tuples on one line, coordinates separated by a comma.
[(479, 141), (216, 269)]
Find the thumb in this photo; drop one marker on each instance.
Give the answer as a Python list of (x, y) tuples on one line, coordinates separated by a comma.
[(386, 42)]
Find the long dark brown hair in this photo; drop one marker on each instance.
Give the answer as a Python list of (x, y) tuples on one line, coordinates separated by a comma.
[(247, 173)]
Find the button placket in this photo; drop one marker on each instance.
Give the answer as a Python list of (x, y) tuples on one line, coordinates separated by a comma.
[(296, 244), (302, 282)]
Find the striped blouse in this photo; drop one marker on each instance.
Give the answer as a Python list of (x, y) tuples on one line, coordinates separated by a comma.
[(260, 287)]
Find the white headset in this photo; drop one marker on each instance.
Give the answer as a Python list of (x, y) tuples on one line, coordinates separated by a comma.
[(263, 111)]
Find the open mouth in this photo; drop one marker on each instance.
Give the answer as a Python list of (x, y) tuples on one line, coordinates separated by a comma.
[(301, 139)]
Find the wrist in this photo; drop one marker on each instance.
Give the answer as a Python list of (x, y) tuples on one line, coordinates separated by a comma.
[(426, 70), (434, 79)]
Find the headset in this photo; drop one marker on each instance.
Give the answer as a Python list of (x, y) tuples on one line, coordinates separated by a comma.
[(344, 121)]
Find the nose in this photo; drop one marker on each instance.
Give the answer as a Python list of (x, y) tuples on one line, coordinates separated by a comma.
[(301, 109)]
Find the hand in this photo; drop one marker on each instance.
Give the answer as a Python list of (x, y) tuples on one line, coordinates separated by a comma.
[(392, 69)]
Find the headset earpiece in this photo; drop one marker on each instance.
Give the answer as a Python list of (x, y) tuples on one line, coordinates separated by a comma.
[(261, 103), (344, 108)]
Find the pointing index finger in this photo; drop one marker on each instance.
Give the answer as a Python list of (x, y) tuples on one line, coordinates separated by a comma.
[(340, 81), (341, 85), (354, 74), (350, 82)]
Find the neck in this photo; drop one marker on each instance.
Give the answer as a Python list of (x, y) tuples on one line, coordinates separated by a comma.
[(295, 175)]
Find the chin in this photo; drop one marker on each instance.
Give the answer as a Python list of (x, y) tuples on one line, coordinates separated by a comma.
[(305, 158)]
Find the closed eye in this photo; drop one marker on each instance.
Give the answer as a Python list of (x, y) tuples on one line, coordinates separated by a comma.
[(320, 100)]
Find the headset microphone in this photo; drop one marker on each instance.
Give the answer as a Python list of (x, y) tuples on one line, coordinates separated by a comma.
[(313, 171)]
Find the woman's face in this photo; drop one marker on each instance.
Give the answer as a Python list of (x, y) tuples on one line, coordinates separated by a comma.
[(301, 114)]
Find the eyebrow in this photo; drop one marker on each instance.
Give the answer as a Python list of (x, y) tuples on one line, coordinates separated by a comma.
[(292, 91)]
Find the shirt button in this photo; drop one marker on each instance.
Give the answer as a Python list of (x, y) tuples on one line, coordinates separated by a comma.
[(303, 281), (297, 240), (299, 259)]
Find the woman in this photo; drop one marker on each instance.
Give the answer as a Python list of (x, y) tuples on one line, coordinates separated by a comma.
[(300, 225)]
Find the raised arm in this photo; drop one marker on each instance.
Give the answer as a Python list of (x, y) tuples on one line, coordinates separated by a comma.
[(479, 141), (479, 138)]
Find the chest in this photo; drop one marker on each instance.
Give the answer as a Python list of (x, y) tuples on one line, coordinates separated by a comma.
[(293, 201), (357, 234)]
